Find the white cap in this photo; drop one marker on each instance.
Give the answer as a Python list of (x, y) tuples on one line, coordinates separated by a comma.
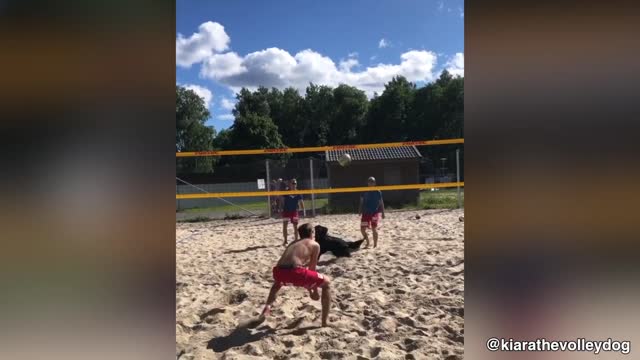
[(371, 178)]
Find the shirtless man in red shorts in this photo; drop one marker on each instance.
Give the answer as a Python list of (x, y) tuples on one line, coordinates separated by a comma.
[(291, 270)]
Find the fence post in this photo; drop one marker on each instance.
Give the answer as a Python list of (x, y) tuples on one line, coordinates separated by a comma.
[(458, 175), (313, 196), (268, 186)]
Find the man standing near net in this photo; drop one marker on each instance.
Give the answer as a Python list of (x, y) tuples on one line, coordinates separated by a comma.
[(291, 206), (371, 206)]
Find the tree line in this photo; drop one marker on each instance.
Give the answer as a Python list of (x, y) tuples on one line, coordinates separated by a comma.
[(273, 118)]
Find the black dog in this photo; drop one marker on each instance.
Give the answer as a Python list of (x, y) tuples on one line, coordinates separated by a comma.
[(337, 246)]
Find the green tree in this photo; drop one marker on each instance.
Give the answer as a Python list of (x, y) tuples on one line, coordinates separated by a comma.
[(348, 118), (223, 140), (252, 103), (191, 132), (426, 115), (438, 109), (318, 111), (287, 113), (253, 131), (282, 118), (388, 119), (372, 126), (453, 109)]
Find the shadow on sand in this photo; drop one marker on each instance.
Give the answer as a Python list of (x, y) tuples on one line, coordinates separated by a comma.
[(242, 335), (327, 262), (303, 330)]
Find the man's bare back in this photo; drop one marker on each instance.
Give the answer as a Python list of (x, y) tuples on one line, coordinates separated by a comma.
[(300, 253)]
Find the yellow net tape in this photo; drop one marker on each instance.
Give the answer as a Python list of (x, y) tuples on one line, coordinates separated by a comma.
[(318, 148), (319, 191)]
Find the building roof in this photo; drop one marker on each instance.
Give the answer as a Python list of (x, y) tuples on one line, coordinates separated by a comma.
[(390, 153)]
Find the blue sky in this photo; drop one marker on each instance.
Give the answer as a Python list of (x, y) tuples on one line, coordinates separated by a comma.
[(224, 45)]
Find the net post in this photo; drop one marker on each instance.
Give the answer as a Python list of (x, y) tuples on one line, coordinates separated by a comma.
[(458, 174), (268, 186), (313, 196)]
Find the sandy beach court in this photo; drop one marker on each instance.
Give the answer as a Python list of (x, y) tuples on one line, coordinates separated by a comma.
[(402, 300)]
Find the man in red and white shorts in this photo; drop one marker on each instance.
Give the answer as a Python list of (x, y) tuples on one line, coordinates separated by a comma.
[(291, 204), (371, 207), (290, 270)]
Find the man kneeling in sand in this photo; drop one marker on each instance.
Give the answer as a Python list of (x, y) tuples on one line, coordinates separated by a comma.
[(291, 270)]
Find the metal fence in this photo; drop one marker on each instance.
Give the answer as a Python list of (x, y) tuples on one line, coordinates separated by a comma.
[(249, 177), (439, 164)]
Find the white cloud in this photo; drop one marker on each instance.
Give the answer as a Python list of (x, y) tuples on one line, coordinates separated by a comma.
[(209, 39), (461, 11), (455, 65), (346, 65), (226, 117), (203, 92), (275, 67), (222, 65), (227, 104), (440, 5)]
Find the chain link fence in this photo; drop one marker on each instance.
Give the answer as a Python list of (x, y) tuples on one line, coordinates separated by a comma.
[(441, 164), (438, 164)]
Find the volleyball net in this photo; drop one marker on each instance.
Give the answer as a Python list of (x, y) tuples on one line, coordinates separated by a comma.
[(235, 183)]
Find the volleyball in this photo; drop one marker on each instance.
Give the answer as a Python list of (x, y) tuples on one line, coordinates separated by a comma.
[(345, 159)]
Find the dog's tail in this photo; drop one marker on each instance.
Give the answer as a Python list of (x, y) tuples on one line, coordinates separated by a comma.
[(356, 244)]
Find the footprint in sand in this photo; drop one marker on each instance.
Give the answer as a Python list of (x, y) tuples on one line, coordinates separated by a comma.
[(410, 345), (306, 308), (212, 312), (459, 311), (375, 351), (237, 297)]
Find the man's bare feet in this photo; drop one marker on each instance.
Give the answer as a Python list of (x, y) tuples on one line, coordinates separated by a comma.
[(313, 294), (253, 323)]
